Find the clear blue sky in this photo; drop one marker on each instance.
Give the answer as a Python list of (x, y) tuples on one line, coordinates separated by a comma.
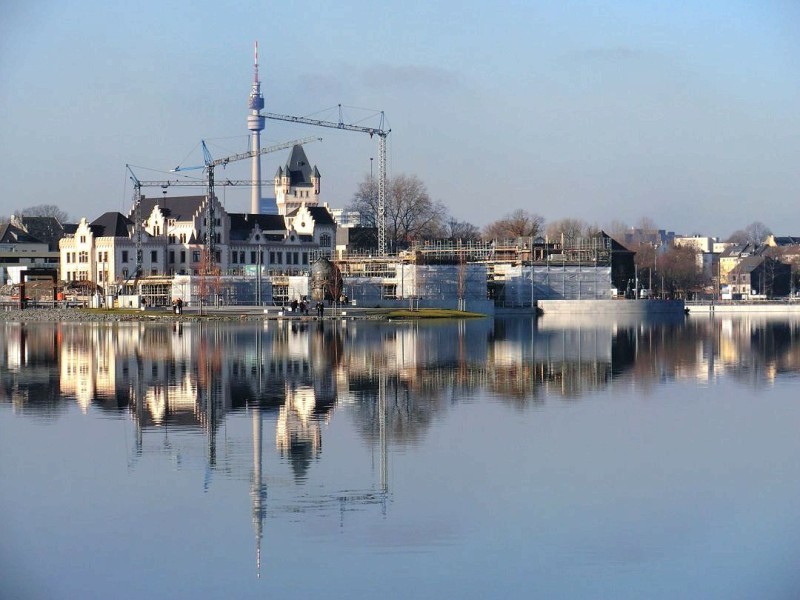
[(686, 113)]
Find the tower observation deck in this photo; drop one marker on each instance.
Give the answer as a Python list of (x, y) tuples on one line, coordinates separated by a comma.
[(255, 123)]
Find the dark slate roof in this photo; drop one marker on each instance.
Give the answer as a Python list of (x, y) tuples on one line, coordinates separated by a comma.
[(299, 170), (749, 264), (46, 229), (180, 208), (747, 248), (734, 250), (321, 215), (70, 228), (786, 240), (242, 225), (110, 224), (10, 234)]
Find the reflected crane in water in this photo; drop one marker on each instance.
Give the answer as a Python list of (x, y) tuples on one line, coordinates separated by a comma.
[(343, 500)]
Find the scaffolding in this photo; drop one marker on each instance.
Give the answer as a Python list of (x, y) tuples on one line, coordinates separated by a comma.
[(521, 286), (512, 273)]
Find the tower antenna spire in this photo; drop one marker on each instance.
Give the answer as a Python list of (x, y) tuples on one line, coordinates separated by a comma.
[(255, 124), (255, 65)]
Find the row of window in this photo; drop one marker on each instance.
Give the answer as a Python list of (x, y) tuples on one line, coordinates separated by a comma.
[(238, 257), (80, 257)]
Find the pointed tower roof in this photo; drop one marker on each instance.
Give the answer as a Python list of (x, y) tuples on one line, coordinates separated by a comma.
[(297, 166)]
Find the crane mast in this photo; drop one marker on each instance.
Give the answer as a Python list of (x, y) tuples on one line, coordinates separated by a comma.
[(137, 201), (382, 134)]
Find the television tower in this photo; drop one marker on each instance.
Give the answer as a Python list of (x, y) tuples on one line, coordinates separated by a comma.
[(255, 123)]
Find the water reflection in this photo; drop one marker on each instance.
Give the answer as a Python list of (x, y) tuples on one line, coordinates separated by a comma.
[(181, 385), (193, 375)]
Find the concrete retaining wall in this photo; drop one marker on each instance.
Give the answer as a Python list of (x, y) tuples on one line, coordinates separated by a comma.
[(743, 308), (627, 307)]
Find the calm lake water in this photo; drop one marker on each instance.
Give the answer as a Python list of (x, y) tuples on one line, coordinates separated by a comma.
[(507, 458)]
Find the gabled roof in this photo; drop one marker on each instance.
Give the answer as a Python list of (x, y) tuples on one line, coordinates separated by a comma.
[(45, 229), (749, 263), (242, 225), (180, 208), (744, 250), (734, 250), (321, 215), (11, 234), (298, 168), (615, 245), (110, 224)]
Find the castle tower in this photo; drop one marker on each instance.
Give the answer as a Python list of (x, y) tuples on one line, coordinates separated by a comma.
[(255, 123), (296, 183)]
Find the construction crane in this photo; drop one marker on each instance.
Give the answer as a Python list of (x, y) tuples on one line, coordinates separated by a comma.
[(209, 166), (209, 183), (164, 184), (137, 224), (382, 134)]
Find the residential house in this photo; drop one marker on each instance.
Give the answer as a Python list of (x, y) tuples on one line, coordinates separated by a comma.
[(760, 276)]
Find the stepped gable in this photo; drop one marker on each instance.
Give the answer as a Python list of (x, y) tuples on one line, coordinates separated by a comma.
[(180, 208), (111, 224), (242, 225), (321, 215)]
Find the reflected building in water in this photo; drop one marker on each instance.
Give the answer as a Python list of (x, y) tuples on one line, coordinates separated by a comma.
[(179, 384), (193, 375)]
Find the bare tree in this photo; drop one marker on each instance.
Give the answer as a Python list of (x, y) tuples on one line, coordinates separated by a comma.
[(519, 223), (462, 230), (645, 260), (617, 230), (567, 230), (738, 237), (757, 232), (647, 225), (410, 214), (682, 275), (44, 210)]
